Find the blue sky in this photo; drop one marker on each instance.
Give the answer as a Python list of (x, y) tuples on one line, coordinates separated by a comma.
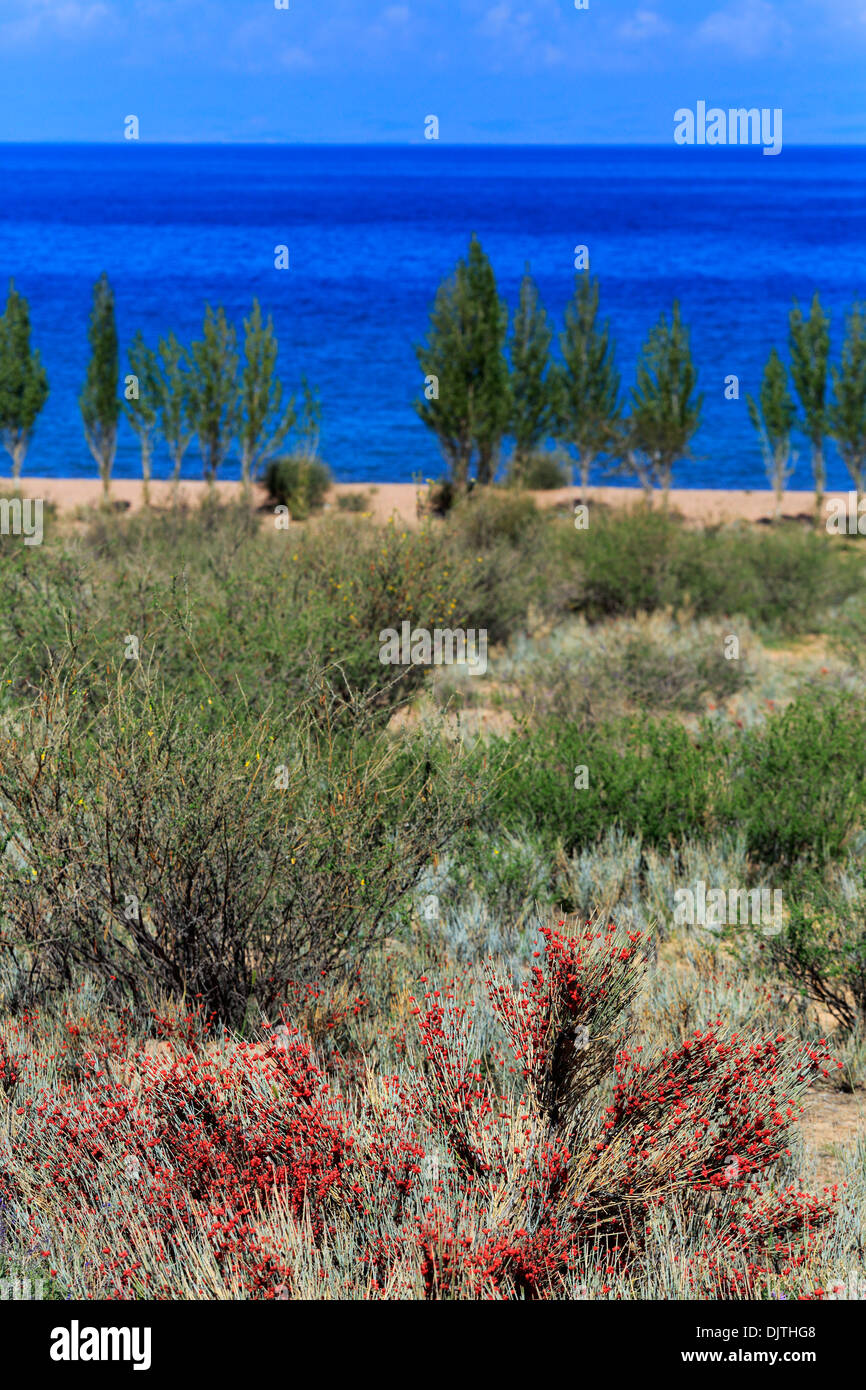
[(509, 71)]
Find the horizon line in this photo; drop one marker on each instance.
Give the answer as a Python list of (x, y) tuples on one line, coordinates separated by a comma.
[(420, 142)]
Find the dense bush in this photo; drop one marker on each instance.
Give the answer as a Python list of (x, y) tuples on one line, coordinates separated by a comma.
[(487, 516), (798, 781), (181, 1171), (544, 472), (643, 560), (646, 776), (215, 863), (298, 482), (794, 786)]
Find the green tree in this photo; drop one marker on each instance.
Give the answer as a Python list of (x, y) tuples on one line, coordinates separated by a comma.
[(492, 393), (532, 384), (214, 391), (588, 383), (467, 397), (847, 412), (99, 401), (264, 421), (665, 412), (142, 401), (774, 420), (810, 351), (175, 403), (23, 381)]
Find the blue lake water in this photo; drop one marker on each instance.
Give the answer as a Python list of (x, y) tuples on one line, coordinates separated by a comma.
[(371, 231)]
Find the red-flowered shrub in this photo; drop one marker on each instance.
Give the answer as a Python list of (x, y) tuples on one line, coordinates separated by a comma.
[(502, 1170)]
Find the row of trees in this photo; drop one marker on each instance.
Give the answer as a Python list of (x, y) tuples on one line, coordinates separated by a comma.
[(832, 400), (483, 384), (220, 392)]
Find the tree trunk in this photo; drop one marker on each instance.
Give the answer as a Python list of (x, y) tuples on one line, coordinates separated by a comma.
[(177, 460), (19, 450), (145, 471), (778, 488), (820, 475)]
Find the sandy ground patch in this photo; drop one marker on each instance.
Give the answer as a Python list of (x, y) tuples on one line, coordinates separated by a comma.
[(698, 505)]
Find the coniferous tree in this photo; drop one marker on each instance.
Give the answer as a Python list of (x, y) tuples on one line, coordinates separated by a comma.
[(588, 410), (142, 402), (264, 421), (214, 390), (665, 412), (23, 381), (810, 351), (491, 387), (774, 420), (467, 397), (532, 403), (99, 401), (847, 412)]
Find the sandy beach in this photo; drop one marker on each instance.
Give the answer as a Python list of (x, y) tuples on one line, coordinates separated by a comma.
[(701, 506)]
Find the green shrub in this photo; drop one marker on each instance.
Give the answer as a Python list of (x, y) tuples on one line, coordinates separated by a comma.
[(353, 501), (543, 472), (794, 786), (211, 863), (298, 482), (823, 945), (646, 776), (798, 781), (488, 515), (642, 560)]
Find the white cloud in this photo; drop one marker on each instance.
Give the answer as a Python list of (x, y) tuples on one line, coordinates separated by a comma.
[(643, 24), (295, 59), (38, 19), (750, 28)]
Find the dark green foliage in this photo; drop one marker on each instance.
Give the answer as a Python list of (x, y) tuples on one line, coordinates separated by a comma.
[(264, 420), (847, 413), (798, 782), (465, 354), (176, 401), (640, 561), (794, 786), (544, 472), (214, 390), (532, 402), (298, 482), (810, 351), (665, 413), (143, 400), (587, 384), (647, 776), (774, 421), (23, 380), (99, 401)]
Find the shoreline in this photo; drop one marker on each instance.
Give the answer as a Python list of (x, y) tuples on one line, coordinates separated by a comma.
[(700, 506)]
